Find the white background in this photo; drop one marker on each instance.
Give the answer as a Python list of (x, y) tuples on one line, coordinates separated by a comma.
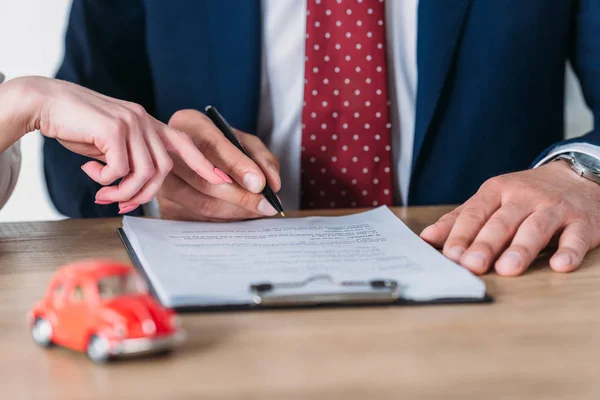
[(31, 43), (31, 35)]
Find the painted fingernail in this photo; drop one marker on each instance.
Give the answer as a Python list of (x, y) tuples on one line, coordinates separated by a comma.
[(455, 253), (127, 209), (474, 260), (252, 182), (223, 175), (562, 260), (85, 168), (103, 202), (510, 262), (265, 208)]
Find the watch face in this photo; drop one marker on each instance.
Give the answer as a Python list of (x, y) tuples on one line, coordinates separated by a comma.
[(589, 162)]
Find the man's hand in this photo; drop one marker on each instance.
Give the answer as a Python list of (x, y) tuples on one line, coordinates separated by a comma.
[(513, 217), (187, 196)]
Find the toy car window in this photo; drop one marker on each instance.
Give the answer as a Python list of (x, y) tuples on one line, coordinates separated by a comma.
[(57, 292), (119, 285), (78, 293)]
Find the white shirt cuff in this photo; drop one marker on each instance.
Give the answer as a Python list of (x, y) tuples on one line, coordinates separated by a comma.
[(585, 148), (10, 165), (151, 209)]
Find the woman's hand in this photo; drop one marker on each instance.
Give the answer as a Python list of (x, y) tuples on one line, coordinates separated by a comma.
[(131, 143)]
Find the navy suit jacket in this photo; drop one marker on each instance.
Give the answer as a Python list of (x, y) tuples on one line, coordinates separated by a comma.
[(490, 93)]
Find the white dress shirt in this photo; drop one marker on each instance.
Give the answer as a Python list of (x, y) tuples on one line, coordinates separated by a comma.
[(10, 164)]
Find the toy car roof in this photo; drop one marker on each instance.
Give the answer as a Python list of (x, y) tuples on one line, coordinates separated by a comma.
[(92, 269)]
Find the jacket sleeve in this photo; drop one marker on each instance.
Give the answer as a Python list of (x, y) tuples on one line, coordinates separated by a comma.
[(104, 51), (585, 58)]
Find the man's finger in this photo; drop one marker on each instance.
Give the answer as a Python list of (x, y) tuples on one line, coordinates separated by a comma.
[(232, 194), (437, 233), (531, 237), (495, 235), (263, 157), (574, 243), (171, 210), (181, 144), (218, 150), (469, 222), (204, 207)]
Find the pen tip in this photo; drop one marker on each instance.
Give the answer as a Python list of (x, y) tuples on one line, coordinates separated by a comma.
[(282, 214)]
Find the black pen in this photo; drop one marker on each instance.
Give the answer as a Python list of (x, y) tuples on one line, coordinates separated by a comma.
[(225, 128)]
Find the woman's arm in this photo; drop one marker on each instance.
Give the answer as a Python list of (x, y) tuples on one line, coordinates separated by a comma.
[(18, 105), (128, 143), (10, 163)]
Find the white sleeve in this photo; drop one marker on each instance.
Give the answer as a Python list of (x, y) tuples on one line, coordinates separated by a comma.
[(151, 209), (585, 148), (10, 164)]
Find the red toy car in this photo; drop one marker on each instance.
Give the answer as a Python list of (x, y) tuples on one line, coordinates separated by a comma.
[(104, 309)]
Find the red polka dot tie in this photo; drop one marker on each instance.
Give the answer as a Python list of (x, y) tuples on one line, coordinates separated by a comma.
[(346, 157)]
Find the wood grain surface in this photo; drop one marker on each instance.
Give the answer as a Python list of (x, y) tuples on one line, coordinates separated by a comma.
[(540, 339)]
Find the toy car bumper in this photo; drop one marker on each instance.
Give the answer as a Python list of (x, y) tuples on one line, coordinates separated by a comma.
[(146, 345)]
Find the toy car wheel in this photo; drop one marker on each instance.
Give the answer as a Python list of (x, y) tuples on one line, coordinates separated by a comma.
[(98, 349), (42, 332)]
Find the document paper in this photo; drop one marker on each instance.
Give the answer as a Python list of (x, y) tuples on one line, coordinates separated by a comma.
[(211, 264)]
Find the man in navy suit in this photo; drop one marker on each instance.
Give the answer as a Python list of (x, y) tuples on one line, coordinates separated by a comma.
[(361, 103)]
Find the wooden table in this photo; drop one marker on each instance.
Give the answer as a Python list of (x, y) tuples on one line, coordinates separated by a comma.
[(539, 340)]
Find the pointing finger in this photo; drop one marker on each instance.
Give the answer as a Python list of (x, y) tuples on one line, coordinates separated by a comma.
[(181, 144)]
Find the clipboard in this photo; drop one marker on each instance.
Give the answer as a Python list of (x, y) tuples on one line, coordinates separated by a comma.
[(315, 292)]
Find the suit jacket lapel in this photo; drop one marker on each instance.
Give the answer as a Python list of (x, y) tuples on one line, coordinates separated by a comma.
[(440, 24)]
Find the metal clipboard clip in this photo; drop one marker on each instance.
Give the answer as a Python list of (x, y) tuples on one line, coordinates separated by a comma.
[(323, 289)]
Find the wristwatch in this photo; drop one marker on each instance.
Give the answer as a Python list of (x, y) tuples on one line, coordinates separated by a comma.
[(585, 166)]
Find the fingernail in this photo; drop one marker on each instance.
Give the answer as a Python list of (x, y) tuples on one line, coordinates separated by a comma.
[(127, 209), (562, 260), (455, 253), (265, 208), (103, 202), (85, 168), (273, 169), (223, 175), (252, 182), (510, 262), (474, 260), (427, 231)]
